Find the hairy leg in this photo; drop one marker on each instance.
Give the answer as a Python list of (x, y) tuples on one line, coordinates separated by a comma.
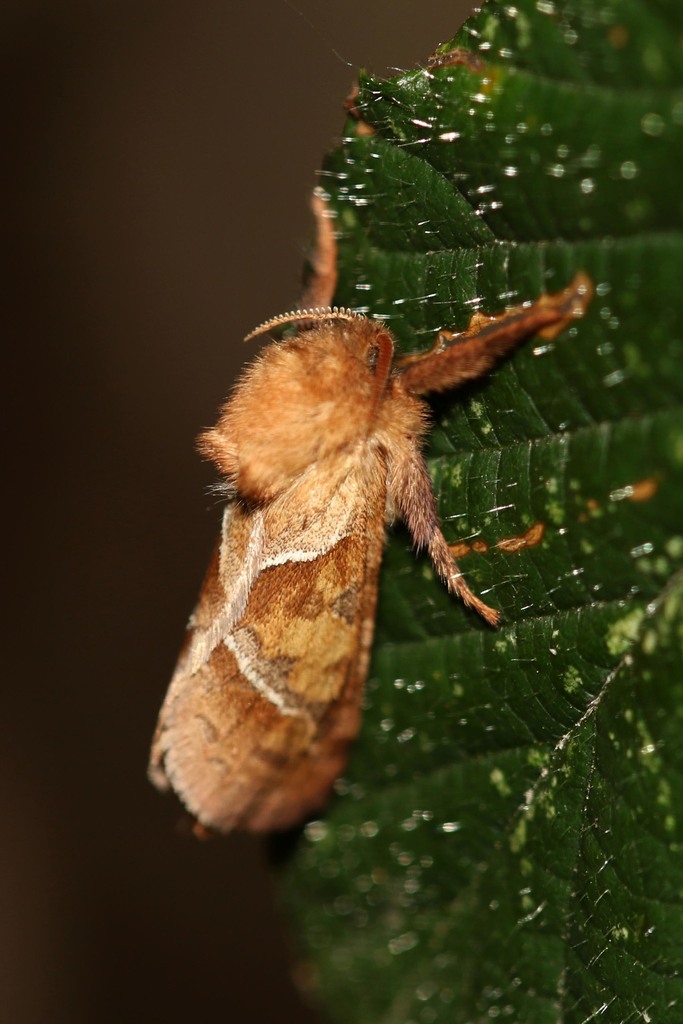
[(410, 488), (458, 358), (321, 285)]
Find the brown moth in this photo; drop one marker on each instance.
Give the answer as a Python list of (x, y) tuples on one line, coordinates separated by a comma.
[(319, 446)]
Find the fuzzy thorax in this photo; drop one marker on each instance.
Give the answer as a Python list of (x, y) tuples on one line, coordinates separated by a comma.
[(306, 401)]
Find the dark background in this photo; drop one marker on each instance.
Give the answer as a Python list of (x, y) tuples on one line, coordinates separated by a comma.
[(160, 156)]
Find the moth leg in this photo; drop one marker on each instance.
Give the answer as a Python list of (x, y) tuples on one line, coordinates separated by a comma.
[(350, 105), (410, 488), (452, 58), (321, 285), (460, 357)]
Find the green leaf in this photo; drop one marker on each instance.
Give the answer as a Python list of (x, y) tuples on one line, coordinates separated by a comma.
[(507, 842)]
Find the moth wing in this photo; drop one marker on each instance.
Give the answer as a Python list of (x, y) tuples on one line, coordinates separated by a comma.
[(265, 700)]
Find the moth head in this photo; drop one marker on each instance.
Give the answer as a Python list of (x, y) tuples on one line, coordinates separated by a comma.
[(304, 401)]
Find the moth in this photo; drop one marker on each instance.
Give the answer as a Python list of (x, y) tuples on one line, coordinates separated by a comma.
[(319, 448)]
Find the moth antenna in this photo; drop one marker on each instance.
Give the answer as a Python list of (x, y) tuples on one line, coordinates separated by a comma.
[(316, 315)]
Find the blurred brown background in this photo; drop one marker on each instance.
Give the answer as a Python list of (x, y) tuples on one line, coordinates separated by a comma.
[(159, 159)]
